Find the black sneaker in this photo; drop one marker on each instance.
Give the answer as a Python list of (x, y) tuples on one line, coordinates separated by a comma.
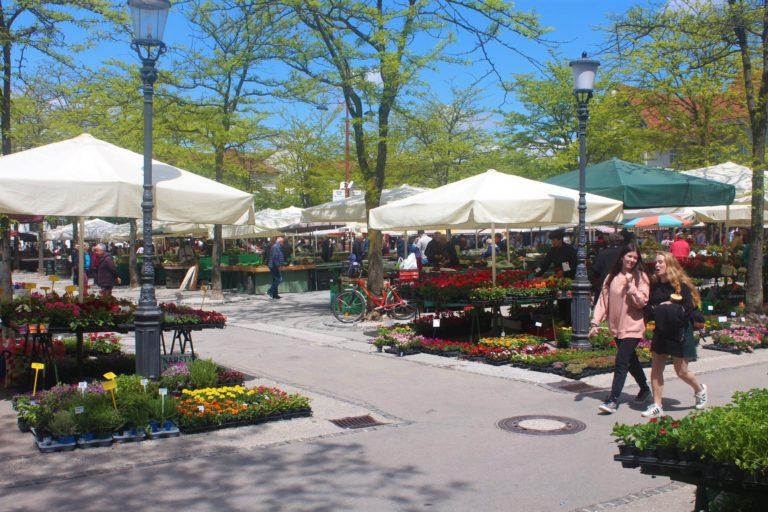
[(643, 396), (610, 406), (277, 297)]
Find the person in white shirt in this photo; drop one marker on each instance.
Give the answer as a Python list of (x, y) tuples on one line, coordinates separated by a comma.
[(422, 243)]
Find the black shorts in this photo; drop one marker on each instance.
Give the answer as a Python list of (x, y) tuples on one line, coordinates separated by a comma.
[(668, 347)]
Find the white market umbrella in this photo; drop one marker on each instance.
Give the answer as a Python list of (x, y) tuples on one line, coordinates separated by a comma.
[(95, 229), (731, 173), (352, 209), (87, 177), (733, 215), (266, 223), (489, 200)]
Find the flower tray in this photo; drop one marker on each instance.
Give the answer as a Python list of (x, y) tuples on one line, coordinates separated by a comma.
[(256, 421), (495, 362), (130, 436), (88, 441), (723, 348), (168, 429), (50, 445), (23, 425)]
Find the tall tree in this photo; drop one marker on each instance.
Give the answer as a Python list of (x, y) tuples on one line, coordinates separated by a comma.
[(39, 26), (311, 156), (446, 136), (545, 128), (223, 75), (369, 52), (719, 32)]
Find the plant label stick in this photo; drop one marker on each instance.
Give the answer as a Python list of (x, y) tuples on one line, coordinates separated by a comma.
[(82, 387), (37, 367), (436, 322), (144, 383), (110, 376), (79, 409), (163, 392), (110, 386)]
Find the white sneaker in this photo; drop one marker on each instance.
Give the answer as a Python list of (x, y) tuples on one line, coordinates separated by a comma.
[(653, 411), (701, 397)]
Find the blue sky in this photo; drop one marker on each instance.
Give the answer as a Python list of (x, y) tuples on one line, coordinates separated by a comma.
[(574, 23)]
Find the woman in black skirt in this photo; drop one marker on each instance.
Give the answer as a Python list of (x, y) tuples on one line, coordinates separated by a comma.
[(671, 305)]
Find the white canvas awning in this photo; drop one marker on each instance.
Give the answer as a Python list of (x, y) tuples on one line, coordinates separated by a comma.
[(95, 229), (352, 209), (87, 177), (736, 215), (731, 173), (266, 223), (492, 199)]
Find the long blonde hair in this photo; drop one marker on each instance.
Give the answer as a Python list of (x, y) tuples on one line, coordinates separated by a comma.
[(677, 277)]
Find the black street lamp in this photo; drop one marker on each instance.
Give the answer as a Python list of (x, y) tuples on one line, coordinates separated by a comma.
[(584, 71), (149, 18)]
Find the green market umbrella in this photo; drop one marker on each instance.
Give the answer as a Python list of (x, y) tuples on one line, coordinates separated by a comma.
[(640, 186)]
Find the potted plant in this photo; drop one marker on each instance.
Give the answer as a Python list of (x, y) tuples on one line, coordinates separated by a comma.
[(162, 412), (97, 420)]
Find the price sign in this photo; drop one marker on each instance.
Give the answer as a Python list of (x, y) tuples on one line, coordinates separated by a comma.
[(537, 324), (722, 319), (79, 409), (109, 385), (733, 313), (566, 266), (436, 322), (743, 319), (710, 308), (163, 391), (109, 376), (82, 386), (38, 366), (201, 408), (144, 383)]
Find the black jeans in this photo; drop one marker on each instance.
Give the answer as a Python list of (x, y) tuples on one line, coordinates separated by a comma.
[(626, 360)]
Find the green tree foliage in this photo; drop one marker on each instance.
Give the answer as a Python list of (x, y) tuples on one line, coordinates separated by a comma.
[(720, 32), (366, 51), (690, 96), (441, 139), (545, 127), (311, 157)]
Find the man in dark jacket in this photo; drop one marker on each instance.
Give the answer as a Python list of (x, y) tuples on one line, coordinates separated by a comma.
[(106, 271), (604, 262), (276, 260), (562, 256), (327, 250)]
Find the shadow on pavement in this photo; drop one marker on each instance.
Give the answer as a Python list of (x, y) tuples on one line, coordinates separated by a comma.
[(326, 476)]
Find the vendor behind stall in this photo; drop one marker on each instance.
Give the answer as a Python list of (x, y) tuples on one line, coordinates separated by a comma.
[(561, 256)]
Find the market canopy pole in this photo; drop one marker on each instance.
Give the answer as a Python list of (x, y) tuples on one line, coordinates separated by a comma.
[(493, 253), (41, 248), (81, 277)]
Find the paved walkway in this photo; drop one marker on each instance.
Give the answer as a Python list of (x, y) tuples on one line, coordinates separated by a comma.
[(440, 449)]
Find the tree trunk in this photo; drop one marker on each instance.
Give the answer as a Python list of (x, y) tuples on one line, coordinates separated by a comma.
[(216, 291), (754, 288), (132, 270), (41, 248), (16, 249), (5, 258), (5, 121), (218, 248)]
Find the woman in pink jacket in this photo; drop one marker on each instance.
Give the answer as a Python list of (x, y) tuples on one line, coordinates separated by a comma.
[(622, 300)]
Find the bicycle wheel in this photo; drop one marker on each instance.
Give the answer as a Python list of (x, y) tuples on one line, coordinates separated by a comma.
[(402, 310), (350, 306)]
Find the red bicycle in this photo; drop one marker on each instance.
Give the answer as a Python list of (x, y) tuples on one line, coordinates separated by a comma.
[(351, 305)]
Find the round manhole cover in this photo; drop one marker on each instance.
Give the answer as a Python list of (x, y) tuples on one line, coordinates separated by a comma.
[(541, 425)]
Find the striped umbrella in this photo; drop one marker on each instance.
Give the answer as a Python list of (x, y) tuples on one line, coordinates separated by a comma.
[(658, 221)]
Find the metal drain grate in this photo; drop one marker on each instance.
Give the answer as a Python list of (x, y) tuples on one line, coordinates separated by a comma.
[(541, 425), (357, 422), (577, 387)]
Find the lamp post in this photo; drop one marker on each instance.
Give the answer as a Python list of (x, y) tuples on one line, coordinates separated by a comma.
[(584, 71), (149, 18), (346, 144)]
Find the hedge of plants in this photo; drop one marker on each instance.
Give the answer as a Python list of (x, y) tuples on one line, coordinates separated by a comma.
[(39, 313), (477, 286), (729, 442), (522, 350), (91, 414)]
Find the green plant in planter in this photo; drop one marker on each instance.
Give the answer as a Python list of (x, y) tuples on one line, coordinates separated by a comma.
[(624, 434), (203, 373), (129, 385), (160, 412), (101, 420), (63, 424), (135, 410)]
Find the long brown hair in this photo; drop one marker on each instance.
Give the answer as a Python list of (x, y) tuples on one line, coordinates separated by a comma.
[(677, 277)]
